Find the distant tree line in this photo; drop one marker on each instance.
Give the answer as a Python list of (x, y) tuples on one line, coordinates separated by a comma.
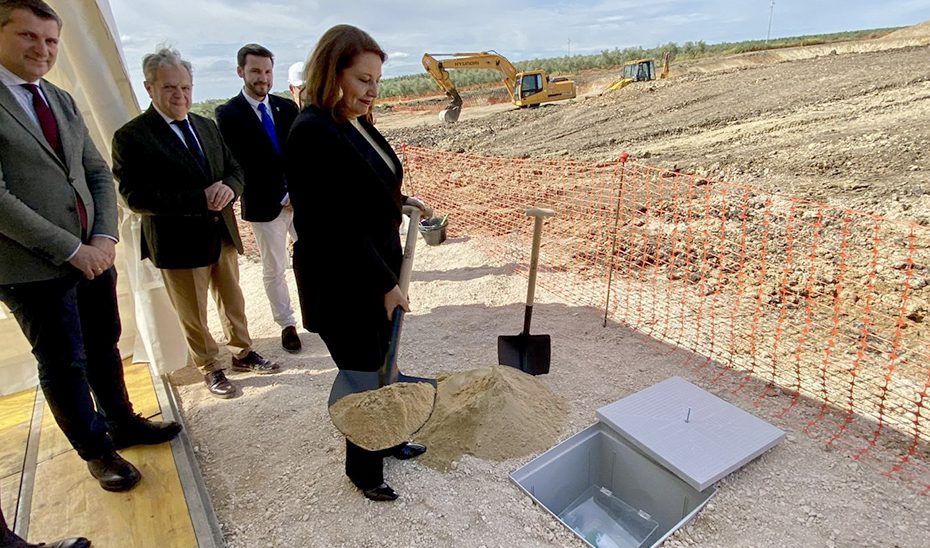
[(418, 84)]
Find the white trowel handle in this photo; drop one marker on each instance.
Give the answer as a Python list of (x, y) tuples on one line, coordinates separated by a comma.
[(540, 214), (406, 267)]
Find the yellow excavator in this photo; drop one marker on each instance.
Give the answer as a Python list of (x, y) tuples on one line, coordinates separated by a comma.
[(639, 70), (526, 89)]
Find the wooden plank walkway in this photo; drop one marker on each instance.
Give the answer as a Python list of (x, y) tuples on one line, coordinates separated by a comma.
[(64, 500)]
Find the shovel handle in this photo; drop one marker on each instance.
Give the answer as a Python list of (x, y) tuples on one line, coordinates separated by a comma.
[(540, 214), (406, 267), (388, 372)]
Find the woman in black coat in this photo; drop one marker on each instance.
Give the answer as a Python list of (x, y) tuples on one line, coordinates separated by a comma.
[(344, 182)]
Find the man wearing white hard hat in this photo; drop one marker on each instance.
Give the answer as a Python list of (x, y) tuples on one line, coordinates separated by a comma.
[(295, 80)]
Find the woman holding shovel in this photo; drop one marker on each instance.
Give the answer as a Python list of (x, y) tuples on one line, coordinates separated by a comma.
[(344, 182)]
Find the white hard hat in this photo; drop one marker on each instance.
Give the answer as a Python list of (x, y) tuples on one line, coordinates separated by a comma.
[(295, 74)]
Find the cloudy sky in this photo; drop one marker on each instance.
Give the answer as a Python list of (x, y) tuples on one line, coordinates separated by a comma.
[(209, 32)]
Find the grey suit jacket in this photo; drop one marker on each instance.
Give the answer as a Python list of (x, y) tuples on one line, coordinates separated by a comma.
[(39, 223)]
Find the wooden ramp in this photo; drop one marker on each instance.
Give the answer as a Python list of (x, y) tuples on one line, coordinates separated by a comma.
[(49, 494)]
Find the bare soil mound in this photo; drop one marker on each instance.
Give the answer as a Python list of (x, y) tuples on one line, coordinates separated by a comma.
[(847, 129), (918, 31), (494, 412)]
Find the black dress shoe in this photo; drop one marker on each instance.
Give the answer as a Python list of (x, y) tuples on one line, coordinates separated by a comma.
[(409, 451), (219, 385), (113, 472), (289, 339), (380, 493), (140, 431), (79, 542), (255, 363)]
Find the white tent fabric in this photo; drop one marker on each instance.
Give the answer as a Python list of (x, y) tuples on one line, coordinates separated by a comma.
[(90, 66)]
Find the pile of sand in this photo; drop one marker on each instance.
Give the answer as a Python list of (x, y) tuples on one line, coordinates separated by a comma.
[(383, 418), (493, 413)]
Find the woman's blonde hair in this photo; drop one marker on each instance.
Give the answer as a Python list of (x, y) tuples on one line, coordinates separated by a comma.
[(334, 53)]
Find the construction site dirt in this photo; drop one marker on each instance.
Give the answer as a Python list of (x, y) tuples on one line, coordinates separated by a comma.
[(844, 124), (846, 129)]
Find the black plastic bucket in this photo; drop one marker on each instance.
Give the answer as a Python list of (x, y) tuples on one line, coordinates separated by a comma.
[(433, 230)]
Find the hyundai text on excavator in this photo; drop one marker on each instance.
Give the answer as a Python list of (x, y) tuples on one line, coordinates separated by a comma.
[(639, 70), (526, 89)]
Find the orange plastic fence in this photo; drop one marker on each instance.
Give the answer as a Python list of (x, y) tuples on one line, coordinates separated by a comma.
[(819, 313)]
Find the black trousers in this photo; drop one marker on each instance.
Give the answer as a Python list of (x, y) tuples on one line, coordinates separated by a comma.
[(7, 538), (361, 347), (73, 326)]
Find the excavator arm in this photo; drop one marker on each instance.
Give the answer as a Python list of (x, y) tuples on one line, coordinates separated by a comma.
[(438, 69)]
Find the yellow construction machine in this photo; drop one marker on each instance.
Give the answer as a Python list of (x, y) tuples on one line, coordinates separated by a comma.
[(526, 89), (639, 70)]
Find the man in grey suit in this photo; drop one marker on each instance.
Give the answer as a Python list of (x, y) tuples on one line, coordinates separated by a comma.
[(58, 230)]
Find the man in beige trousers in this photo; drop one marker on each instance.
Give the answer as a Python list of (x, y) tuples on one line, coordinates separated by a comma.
[(174, 169)]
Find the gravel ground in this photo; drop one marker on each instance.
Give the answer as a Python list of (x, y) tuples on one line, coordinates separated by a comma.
[(273, 461)]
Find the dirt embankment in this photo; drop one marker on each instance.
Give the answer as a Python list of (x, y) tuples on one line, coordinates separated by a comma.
[(843, 128)]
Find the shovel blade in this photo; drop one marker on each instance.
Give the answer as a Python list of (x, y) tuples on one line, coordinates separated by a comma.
[(351, 382), (528, 353)]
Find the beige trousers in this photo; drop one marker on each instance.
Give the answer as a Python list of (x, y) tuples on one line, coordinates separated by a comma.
[(187, 289)]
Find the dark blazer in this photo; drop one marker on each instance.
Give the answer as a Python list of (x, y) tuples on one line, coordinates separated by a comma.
[(39, 223), (245, 136), (159, 178), (347, 212)]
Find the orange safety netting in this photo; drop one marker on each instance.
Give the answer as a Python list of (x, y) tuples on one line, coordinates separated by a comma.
[(818, 312)]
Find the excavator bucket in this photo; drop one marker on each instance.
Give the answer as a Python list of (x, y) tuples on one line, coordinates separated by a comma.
[(618, 84), (450, 114)]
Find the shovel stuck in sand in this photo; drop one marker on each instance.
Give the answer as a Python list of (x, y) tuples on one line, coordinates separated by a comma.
[(528, 353)]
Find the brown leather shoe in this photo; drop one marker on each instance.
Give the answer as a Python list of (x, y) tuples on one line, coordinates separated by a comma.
[(219, 385), (113, 472), (289, 339), (254, 362)]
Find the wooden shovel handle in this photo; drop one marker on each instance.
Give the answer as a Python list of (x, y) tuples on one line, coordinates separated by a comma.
[(540, 214), (406, 267), (388, 372)]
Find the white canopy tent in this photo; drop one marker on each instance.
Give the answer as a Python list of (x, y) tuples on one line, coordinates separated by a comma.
[(91, 67)]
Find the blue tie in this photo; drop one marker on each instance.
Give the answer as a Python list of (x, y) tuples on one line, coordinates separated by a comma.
[(268, 124)]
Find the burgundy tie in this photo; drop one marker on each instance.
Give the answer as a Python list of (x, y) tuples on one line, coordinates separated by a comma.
[(50, 130), (46, 119)]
